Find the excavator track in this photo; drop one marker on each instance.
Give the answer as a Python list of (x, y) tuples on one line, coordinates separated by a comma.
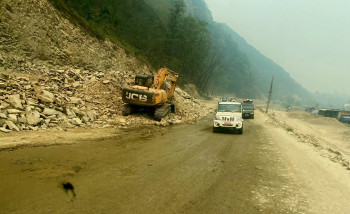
[(162, 111), (128, 110)]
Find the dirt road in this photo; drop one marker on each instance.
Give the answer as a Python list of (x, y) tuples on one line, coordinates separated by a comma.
[(182, 169)]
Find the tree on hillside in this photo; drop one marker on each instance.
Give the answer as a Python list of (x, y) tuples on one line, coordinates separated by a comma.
[(190, 42)]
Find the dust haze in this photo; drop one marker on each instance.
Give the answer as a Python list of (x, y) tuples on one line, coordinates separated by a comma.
[(309, 39)]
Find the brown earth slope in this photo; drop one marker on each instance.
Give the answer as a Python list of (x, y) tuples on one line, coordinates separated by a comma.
[(53, 74)]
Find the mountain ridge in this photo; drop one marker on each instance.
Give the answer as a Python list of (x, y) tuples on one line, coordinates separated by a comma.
[(258, 62)]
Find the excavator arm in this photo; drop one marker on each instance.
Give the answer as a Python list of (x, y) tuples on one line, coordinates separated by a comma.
[(162, 76)]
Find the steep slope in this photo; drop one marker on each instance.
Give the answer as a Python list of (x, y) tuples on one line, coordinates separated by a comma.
[(34, 31)]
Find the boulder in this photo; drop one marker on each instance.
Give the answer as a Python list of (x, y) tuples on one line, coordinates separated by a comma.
[(49, 112), (37, 89), (76, 121), (47, 121), (76, 84), (27, 87), (5, 130), (100, 74), (13, 111), (33, 117), (31, 103), (91, 115), (15, 101), (2, 122), (4, 105), (34, 128), (45, 99), (122, 120), (22, 120), (2, 85), (64, 123), (70, 113), (75, 100), (49, 94), (93, 79), (3, 116), (12, 117), (77, 111), (85, 119), (12, 126)]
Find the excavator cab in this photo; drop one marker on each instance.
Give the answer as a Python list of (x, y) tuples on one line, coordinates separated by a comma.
[(144, 80)]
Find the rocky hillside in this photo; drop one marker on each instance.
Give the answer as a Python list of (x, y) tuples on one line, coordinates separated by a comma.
[(53, 74), (33, 33)]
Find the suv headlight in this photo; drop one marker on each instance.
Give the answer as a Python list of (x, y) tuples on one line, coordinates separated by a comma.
[(217, 118), (238, 119)]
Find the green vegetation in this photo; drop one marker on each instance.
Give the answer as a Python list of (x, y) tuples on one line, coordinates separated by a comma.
[(181, 35), (180, 42), (289, 129)]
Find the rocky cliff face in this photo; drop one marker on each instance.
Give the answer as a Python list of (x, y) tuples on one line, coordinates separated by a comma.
[(33, 32), (55, 75)]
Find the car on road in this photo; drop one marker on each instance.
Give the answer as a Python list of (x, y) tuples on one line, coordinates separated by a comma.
[(224, 99), (248, 109), (228, 117)]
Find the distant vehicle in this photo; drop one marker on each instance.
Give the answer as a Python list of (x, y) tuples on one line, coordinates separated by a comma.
[(248, 109), (345, 119), (232, 99), (228, 117), (247, 101), (224, 99)]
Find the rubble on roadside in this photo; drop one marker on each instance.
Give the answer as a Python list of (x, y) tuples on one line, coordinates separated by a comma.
[(67, 98), (59, 76)]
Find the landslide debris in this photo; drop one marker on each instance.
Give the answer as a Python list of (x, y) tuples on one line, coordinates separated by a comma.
[(55, 75), (76, 97)]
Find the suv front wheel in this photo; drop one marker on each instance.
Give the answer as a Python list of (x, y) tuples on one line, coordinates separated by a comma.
[(215, 129), (240, 131)]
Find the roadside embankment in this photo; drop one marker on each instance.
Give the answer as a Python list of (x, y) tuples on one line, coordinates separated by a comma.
[(329, 137)]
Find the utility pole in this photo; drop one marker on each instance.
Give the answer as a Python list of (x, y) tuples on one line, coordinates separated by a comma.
[(270, 93)]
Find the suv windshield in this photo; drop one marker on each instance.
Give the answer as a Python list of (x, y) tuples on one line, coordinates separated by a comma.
[(229, 108), (248, 106)]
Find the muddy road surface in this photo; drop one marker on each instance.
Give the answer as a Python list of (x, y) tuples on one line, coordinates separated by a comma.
[(182, 169)]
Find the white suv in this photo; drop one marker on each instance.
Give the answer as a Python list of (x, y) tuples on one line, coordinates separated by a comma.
[(228, 116)]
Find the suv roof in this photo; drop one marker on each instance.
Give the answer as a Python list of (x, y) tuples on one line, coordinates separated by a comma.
[(247, 101), (226, 103)]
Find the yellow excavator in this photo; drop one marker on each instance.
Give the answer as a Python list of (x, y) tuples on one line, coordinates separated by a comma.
[(152, 93)]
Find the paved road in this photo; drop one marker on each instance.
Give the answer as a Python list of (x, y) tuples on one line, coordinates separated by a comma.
[(183, 169)]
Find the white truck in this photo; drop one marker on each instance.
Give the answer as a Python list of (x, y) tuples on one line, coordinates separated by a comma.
[(228, 117)]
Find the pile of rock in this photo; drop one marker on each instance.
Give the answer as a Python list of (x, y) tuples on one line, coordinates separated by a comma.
[(70, 97), (31, 104)]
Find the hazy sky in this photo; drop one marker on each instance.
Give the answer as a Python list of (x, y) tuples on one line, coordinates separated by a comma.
[(310, 39)]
